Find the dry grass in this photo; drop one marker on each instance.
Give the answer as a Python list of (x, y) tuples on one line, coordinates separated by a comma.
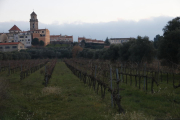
[(51, 90), (132, 116)]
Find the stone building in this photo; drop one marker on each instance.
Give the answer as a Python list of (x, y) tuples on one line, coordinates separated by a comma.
[(88, 40), (23, 37), (33, 21), (10, 36), (61, 38), (42, 34), (12, 46), (3, 38)]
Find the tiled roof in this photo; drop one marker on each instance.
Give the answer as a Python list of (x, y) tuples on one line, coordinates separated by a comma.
[(55, 36), (69, 36), (90, 40), (11, 43), (14, 28), (120, 38)]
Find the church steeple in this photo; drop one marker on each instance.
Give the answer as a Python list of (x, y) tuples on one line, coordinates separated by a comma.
[(33, 21)]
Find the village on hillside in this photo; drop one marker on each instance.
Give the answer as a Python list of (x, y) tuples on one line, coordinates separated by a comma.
[(17, 39)]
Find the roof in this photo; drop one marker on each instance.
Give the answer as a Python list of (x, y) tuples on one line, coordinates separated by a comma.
[(33, 13), (90, 40), (11, 43), (69, 36), (55, 36), (120, 38), (14, 28)]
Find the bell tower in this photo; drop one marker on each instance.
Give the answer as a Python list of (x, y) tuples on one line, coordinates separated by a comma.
[(33, 21)]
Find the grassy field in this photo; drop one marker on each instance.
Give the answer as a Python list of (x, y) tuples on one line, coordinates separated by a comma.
[(67, 98)]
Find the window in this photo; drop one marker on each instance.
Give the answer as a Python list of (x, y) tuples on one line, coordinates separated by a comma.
[(42, 31), (22, 40), (12, 40), (7, 47), (26, 36), (14, 46), (21, 36), (28, 39), (1, 47)]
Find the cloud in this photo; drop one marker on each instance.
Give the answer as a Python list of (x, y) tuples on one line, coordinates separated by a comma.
[(120, 29)]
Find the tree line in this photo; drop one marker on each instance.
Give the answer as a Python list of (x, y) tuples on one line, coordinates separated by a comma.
[(37, 53), (135, 50), (140, 49)]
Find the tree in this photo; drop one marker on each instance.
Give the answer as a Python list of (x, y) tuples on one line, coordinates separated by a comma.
[(76, 49), (35, 41), (157, 41), (83, 43), (169, 46), (114, 52), (41, 43), (124, 52), (107, 41), (141, 50)]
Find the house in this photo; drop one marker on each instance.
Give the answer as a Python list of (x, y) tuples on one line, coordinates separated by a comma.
[(12, 46), (41, 34), (23, 37), (119, 40), (88, 40), (61, 38)]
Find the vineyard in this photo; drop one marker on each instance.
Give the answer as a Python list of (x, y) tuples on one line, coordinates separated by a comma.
[(27, 67), (50, 89), (103, 75)]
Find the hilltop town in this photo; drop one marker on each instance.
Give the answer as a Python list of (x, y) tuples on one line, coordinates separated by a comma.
[(17, 39)]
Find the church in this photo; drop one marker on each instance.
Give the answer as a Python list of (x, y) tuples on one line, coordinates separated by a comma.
[(26, 37), (41, 34)]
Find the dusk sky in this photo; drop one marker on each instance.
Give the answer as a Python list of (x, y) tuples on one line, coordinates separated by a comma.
[(96, 19)]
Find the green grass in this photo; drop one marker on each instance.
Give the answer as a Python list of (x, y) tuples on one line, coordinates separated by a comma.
[(67, 98)]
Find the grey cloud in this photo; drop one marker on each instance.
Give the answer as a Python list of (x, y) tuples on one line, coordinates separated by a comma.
[(121, 28)]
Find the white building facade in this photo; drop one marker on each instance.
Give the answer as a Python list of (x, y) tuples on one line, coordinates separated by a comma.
[(24, 37), (119, 40)]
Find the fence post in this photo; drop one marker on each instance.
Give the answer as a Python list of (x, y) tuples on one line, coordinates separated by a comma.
[(158, 71), (144, 75), (9, 69), (121, 72), (117, 82), (95, 71), (111, 86)]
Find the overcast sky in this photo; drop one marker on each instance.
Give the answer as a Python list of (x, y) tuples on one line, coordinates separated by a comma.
[(96, 19)]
